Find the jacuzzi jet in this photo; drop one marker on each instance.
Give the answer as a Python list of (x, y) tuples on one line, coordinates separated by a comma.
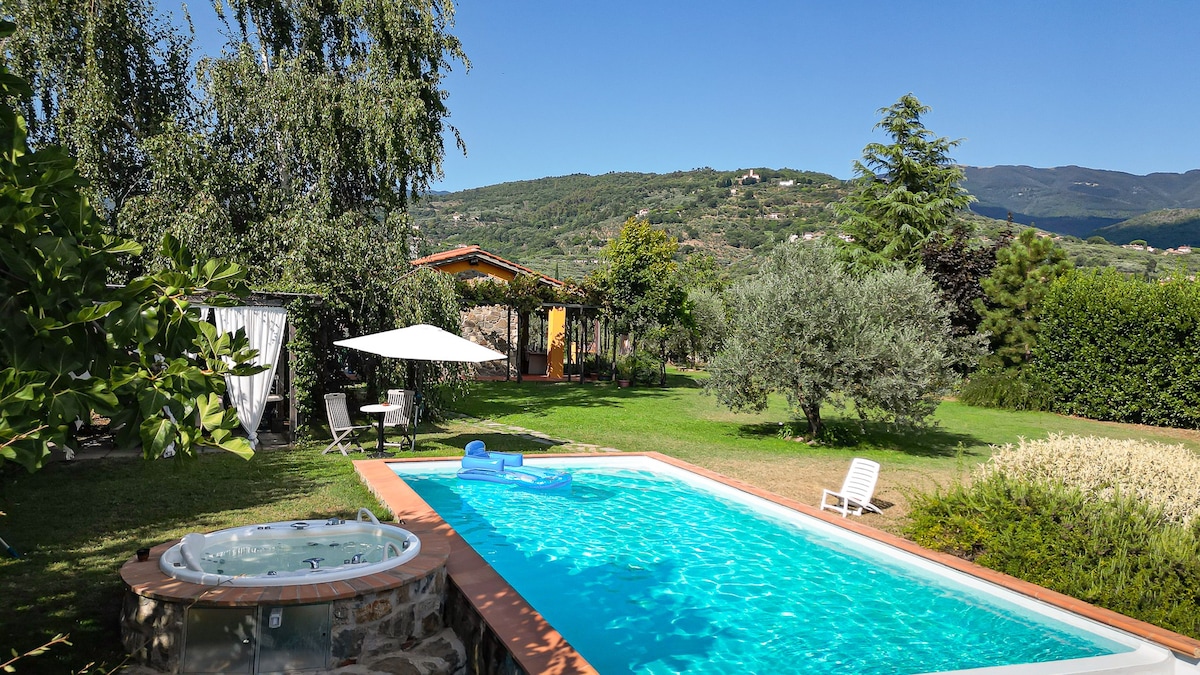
[(313, 563)]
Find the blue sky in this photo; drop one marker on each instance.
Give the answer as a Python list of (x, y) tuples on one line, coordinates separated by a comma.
[(560, 87)]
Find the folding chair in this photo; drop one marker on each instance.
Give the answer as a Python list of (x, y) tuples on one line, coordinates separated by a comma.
[(339, 424), (402, 402)]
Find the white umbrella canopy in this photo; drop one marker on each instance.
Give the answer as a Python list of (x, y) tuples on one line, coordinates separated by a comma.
[(421, 342)]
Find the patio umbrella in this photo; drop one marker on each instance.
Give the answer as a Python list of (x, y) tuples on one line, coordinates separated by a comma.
[(421, 342)]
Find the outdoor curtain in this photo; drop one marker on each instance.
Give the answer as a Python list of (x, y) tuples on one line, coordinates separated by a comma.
[(264, 328)]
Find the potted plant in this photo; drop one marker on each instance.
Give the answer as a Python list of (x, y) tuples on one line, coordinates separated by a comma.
[(625, 366)]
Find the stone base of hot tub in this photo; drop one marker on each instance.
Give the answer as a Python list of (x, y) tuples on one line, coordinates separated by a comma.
[(388, 622)]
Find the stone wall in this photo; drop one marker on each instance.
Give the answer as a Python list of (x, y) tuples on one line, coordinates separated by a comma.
[(485, 653), (402, 630), (489, 325)]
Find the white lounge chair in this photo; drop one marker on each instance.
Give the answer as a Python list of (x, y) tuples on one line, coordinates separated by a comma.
[(401, 415), (339, 424), (856, 491)]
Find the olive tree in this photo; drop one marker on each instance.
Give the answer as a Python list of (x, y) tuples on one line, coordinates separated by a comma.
[(806, 328)]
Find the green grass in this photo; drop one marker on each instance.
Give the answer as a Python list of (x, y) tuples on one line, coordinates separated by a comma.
[(77, 523), (682, 421)]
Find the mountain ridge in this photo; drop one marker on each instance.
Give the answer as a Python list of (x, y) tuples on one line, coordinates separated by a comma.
[(559, 224)]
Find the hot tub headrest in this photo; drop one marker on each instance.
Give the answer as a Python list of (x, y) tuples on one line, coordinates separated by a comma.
[(476, 449), (191, 549)]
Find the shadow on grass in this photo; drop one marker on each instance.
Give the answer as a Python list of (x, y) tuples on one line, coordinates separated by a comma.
[(441, 440), (76, 524), (497, 399), (850, 433)]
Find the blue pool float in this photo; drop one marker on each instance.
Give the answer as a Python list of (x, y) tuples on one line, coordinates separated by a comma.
[(508, 467)]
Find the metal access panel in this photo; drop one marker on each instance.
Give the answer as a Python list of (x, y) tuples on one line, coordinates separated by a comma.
[(294, 638), (219, 640)]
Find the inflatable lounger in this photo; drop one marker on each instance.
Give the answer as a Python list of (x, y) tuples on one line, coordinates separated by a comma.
[(508, 467)]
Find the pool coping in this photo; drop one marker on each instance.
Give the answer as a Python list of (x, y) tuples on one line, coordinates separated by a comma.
[(538, 648)]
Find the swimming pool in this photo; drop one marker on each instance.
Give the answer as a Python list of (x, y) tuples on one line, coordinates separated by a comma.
[(646, 568)]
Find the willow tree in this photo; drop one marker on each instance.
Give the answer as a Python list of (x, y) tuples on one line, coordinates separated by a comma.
[(316, 116), (105, 78), (320, 122), (906, 191)]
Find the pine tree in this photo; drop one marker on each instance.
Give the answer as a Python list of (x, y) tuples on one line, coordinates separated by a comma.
[(1023, 273), (905, 193)]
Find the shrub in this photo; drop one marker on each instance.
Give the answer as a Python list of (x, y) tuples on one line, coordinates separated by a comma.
[(1120, 348), (1164, 477), (1116, 554), (1009, 389)]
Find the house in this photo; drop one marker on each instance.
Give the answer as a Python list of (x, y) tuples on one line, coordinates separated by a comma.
[(495, 326), (787, 183)]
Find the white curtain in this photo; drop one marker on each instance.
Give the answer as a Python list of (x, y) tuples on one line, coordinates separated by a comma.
[(264, 328)]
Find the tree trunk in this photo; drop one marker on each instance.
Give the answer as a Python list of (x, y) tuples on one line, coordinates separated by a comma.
[(813, 413), (522, 338), (662, 363)]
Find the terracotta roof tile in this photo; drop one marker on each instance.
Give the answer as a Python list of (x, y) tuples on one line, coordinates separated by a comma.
[(462, 252)]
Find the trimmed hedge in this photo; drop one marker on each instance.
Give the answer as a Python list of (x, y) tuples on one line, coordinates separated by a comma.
[(1117, 348), (1117, 554)]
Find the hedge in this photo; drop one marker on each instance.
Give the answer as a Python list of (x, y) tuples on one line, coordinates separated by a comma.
[(1117, 348)]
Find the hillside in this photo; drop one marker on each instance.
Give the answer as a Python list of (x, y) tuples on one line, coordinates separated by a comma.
[(1161, 229), (561, 223), (1078, 201), (558, 225)]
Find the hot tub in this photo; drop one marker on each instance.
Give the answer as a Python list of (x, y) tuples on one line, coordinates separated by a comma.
[(290, 553)]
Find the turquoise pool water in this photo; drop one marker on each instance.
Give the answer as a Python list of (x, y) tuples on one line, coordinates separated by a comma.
[(649, 572)]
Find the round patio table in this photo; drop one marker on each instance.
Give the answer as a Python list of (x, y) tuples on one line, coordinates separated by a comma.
[(380, 409)]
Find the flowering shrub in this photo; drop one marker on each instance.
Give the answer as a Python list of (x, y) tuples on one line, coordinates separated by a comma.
[(1165, 477)]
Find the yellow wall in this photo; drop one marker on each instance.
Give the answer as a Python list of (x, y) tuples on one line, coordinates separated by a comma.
[(480, 266), (556, 330)]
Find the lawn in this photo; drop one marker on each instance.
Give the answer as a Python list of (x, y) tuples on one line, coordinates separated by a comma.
[(76, 523), (682, 421)]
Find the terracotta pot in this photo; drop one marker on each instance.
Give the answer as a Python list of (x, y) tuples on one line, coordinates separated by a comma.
[(623, 384)]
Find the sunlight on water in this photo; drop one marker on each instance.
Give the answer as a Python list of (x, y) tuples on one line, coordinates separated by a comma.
[(644, 573)]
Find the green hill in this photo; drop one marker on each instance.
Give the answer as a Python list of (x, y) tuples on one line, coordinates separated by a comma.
[(1167, 228), (558, 225), (1079, 201), (561, 223)]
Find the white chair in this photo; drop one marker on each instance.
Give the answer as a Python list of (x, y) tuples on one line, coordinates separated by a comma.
[(856, 491), (401, 415), (339, 424)]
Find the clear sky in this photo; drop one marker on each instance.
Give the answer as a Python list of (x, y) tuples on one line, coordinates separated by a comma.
[(564, 86)]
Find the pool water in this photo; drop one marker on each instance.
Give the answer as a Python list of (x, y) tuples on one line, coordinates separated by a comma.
[(649, 572)]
